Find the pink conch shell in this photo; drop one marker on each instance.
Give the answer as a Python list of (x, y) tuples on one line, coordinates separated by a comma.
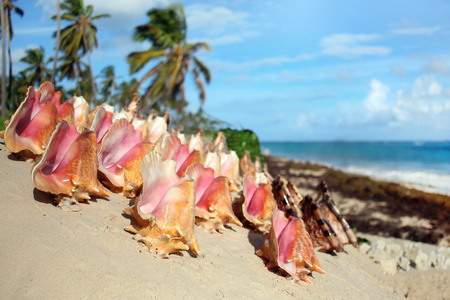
[(66, 112), (196, 142), (246, 165), (212, 161), (219, 145), (229, 167), (132, 108), (33, 122), (81, 109), (178, 152), (156, 128), (120, 158), (69, 165), (212, 199), (289, 247), (165, 210), (101, 123), (256, 204)]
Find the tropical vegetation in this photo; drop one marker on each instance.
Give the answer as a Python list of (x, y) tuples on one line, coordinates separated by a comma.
[(166, 30), (161, 69)]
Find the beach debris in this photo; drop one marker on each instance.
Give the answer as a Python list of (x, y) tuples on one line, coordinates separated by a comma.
[(389, 265), (364, 248), (165, 210), (410, 256), (68, 168), (212, 199), (289, 248), (120, 158), (255, 206), (33, 123)]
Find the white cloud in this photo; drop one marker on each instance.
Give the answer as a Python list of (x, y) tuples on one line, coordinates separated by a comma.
[(376, 102), (398, 70), (425, 105), (116, 8), (349, 45), (218, 65), (417, 30), (437, 66), (215, 20)]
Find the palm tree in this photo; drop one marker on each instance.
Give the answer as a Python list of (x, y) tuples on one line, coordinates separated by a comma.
[(109, 84), (166, 30), (2, 18), (81, 33), (71, 68), (37, 72), (9, 6), (124, 93), (58, 38)]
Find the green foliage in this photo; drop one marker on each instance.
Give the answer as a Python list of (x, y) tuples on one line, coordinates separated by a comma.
[(2, 120), (241, 140), (2, 123), (174, 58), (192, 121)]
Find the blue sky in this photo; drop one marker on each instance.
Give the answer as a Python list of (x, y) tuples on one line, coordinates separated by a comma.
[(295, 70)]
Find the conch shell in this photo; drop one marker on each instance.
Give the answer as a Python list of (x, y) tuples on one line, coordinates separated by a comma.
[(69, 165), (289, 247), (81, 111), (165, 210), (120, 158), (33, 122), (323, 236), (229, 167), (173, 149), (212, 199), (156, 127), (256, 204)]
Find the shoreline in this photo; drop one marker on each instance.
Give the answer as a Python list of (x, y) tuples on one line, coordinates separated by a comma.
[(389, 175), (373, 206)]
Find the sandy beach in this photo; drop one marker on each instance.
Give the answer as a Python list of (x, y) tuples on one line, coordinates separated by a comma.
[(51, 253)]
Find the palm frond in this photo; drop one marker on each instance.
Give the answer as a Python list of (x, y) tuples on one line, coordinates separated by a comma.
[(203, 69), (138, 60)]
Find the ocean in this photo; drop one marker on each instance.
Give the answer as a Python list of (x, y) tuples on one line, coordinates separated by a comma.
[(423, 165)]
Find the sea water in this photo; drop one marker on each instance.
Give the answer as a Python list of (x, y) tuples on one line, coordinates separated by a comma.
[(423, 165)]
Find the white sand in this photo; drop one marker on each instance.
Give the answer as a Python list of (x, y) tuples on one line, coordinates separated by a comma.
[(50, 253)]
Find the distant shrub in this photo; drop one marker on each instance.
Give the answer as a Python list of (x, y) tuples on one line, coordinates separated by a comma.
[(241, 140)]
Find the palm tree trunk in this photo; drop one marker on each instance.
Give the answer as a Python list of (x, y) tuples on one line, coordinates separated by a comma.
[(8, 38), (2, 16), (94, 92), (58, 33)]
